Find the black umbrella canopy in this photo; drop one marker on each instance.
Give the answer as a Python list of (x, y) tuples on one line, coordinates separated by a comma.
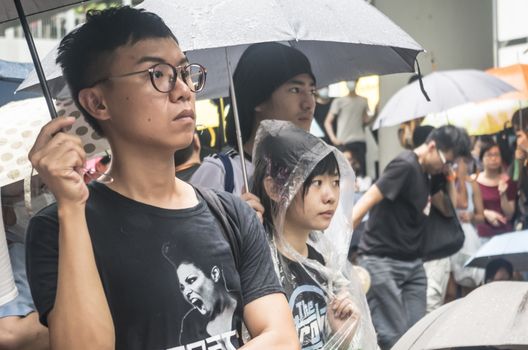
[(8, 11)]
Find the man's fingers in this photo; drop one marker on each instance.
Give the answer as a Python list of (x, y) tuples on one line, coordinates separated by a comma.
[(48, 131)]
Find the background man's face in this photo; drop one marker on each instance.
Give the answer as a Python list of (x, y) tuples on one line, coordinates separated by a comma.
[(293, 101)]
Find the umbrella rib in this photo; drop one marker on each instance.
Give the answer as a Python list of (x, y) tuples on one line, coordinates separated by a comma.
[(47, 10)]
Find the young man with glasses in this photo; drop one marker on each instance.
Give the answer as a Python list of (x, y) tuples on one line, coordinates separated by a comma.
[(399, 204), (98, 264)]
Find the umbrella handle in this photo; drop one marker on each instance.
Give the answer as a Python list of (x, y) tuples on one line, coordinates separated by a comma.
[(35, 58), (240, 145)]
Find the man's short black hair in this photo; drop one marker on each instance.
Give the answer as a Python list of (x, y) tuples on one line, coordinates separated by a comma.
[(84, 53), (451, 138)]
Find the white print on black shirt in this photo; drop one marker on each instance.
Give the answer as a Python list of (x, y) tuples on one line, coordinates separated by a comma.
[(203, 287), (308, 306), (217, 342)]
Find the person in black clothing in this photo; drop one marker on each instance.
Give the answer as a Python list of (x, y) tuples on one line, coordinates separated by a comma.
[(399, 204), (96, 261)]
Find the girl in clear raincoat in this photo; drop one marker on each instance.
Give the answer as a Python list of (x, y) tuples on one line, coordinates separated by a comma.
[(307, 187)]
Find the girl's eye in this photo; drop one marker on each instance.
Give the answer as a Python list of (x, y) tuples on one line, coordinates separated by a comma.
[(295, 90), (314, 92), (317, 183), (336, 183)]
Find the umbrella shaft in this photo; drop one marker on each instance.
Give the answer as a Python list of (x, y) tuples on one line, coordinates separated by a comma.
[(237, 123), (35, 58)]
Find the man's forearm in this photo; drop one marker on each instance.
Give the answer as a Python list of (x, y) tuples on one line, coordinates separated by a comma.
[(80, 318), (273, 339)]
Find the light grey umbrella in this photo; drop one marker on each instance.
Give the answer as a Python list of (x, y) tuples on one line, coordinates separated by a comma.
[(495, 314), (446, 89), (510, 246), (343, 39)]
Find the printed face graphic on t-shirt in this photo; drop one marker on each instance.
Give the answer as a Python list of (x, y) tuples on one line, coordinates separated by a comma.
[(196, 287)]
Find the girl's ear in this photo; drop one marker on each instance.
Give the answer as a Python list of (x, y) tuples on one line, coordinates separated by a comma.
[(271, 189)]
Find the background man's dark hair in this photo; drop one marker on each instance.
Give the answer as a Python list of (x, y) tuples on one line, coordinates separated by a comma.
[(451, 138), (420, 134), (85, 53)]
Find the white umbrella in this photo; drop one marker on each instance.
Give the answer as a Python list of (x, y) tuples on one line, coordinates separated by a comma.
[(446, 90), (478, 118), (492, 315), (344, 39), (21, 122), (510, 246)]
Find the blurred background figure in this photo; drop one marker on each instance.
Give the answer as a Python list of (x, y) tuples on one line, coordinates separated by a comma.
[(188, 160), (499, 270), (498, 193), (351, 113), (323, 102), (19, 323)]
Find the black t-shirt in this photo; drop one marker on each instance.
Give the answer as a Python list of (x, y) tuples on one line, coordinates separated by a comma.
[(395, 224), (169, 275), (307, 300)]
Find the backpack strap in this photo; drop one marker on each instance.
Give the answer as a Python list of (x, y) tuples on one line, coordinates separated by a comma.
[(229, 179), (225, 221)]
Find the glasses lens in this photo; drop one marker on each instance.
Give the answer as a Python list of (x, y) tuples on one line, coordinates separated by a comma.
[(194, 77), (163, 77)]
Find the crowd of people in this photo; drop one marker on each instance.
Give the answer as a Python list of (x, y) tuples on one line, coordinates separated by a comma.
[(150, 260)]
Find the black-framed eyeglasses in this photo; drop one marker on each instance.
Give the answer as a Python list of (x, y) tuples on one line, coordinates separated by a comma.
[(163, 76)]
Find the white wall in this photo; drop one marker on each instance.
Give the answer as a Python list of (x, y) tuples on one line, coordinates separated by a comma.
[(456, 33)]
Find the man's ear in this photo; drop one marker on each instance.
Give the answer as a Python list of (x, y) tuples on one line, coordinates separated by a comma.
[(93, 102), (271, 188), (431, 145)]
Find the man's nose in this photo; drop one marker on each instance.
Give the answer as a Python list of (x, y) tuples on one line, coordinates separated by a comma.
[(180, 91)]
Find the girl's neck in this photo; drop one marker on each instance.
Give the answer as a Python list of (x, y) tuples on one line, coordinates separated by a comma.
[(297, 238), (492, 174)]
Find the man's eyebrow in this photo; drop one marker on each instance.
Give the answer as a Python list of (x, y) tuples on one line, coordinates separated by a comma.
[(155, 59), (300, 82)]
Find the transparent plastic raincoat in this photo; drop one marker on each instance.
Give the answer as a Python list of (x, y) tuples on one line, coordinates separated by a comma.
[(287, 155)]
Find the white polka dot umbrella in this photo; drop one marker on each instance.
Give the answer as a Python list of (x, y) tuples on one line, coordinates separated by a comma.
[(20, 123)]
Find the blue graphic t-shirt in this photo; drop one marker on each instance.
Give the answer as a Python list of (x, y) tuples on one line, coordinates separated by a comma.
[(307, 302)]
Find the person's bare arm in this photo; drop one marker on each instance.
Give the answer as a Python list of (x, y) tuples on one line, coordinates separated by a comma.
[(372, 197), (270, 324), (507, 206), (23, 333), (80, 317), (329, 120), (478, 217)]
